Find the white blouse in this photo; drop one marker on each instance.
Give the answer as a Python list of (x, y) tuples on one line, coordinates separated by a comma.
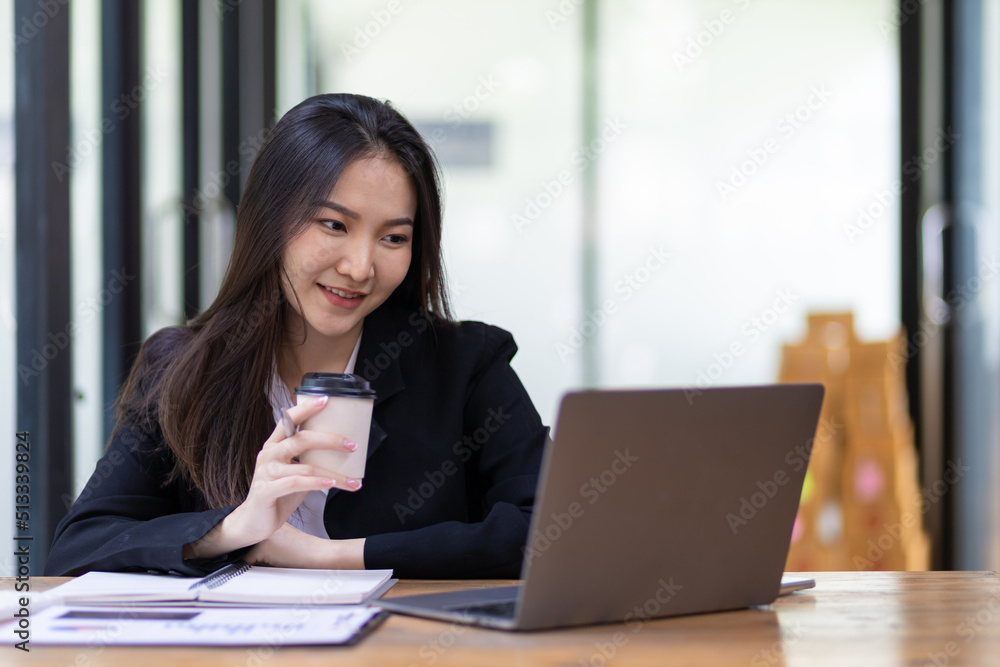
[(307, 517)]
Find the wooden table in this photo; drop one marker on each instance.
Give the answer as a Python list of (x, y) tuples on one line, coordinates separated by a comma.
[(928, 619)]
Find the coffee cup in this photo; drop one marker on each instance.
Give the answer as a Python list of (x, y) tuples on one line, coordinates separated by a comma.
[(347, 413)]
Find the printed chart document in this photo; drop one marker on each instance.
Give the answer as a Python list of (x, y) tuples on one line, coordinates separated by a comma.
[(175, 626), (235, 585)]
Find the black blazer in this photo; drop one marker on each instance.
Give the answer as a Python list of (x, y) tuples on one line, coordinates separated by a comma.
[(453, 461)]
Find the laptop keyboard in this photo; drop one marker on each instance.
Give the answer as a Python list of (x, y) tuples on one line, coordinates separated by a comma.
[(496, 609)]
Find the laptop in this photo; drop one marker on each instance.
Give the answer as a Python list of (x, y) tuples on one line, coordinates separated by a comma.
[(654, 503)]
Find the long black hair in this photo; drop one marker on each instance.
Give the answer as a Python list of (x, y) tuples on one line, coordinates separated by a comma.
[(204, 384)]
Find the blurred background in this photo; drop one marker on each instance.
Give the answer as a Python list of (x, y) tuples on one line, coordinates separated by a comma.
[(644, 192)]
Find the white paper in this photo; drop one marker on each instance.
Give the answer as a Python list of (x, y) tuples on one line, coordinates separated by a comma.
[(176, 626), (257, 586)]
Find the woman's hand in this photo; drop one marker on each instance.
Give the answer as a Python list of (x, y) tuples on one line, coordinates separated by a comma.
[(279, 485), (290, 547)]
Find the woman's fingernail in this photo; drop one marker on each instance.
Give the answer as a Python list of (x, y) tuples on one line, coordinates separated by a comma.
[(354, 484), (350, 445), (329, 482), (322, 400)]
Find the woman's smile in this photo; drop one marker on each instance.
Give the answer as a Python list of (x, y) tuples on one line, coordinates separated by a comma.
[(341, 297)]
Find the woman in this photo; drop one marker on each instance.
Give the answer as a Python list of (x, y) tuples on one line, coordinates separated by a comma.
[(336, 267)]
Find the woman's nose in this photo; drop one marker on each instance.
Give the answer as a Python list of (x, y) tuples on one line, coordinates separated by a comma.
[(358, 261)]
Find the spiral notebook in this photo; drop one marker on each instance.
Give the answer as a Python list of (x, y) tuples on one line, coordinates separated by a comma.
[(238, 585)]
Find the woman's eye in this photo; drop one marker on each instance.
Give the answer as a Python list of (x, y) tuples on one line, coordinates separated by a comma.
[(396, 239), (334, 225)]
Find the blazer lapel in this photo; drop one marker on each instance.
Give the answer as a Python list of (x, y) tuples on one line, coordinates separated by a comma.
[(375, 361), (379, 368)]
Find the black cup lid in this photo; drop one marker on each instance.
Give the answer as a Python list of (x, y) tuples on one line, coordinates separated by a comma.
[(335, 384)]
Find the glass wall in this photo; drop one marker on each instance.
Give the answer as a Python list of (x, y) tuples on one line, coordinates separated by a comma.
[(758, 155), (975, 298), (745, 156), (157, 98), (501, 107)]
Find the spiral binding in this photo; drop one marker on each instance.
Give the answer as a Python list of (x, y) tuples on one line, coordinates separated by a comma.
[(222, 575)]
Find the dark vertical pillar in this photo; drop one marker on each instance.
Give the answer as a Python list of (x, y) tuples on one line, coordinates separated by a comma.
[(231, 103), (45, 332), (927, 90), (909, 236), (248, 83), (257, 82), (190, 36), (121, 183), (948, 450)]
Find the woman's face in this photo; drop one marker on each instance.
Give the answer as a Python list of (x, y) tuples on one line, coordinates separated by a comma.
[(356, 250)]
